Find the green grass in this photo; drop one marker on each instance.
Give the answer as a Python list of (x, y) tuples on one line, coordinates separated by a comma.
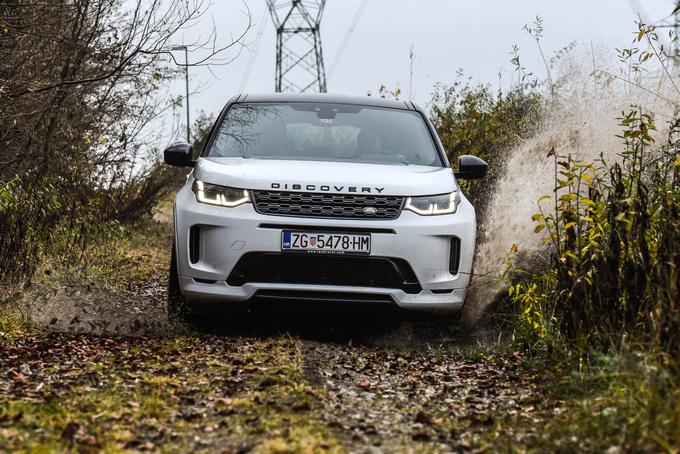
[(117, 256), (183, 394), (12, 323), (628, 400)]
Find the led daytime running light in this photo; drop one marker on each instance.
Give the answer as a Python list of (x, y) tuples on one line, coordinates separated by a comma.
[(221, 196), (434, 205)]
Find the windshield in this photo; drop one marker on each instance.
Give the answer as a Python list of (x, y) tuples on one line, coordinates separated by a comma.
[(325, 132)]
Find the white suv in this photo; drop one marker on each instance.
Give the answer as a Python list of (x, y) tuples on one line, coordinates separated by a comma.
[(325, 198)]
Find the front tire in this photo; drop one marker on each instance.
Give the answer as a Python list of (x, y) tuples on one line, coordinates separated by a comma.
[(178, 307)]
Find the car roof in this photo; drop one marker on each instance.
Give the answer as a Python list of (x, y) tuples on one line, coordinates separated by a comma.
[(325, 98)]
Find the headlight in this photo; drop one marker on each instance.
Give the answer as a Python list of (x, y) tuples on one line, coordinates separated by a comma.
[(434, 204), (219, 195)]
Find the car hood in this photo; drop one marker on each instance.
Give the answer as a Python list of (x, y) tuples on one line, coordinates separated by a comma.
[(324, 176)]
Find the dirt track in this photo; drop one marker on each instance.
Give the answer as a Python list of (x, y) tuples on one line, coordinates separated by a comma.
[(369, 382)]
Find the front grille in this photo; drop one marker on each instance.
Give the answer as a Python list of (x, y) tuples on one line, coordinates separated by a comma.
[(319, 205), (318, 269)]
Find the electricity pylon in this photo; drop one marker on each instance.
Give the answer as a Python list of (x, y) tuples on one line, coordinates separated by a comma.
[(299, 57)]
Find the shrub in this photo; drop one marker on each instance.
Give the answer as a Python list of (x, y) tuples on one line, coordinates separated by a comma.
[(475, 120), (24, 211), (615, 236)]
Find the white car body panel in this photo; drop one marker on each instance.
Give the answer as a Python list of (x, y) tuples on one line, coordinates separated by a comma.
[(336, 177)]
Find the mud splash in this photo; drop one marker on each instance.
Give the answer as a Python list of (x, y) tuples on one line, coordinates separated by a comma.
[(138, 311), (584, 122)]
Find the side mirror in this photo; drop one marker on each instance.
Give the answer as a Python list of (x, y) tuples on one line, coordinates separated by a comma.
[(471, 168), (179, 155)]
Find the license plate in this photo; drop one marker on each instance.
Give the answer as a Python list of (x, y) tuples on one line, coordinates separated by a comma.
[(328, 243)]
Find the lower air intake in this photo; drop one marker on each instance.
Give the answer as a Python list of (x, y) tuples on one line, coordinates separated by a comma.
[(195, 244), (454, 255), (317, 269)]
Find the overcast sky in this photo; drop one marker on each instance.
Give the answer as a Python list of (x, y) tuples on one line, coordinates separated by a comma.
[(447, 35)]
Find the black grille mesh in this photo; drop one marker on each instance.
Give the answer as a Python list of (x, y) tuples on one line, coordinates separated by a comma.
[(321, 205), (454, 256), (194, 243), (321, 269)]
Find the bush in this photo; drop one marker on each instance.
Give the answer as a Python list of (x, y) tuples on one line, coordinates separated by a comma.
[(25, 210), (614, 230), (475, 120)]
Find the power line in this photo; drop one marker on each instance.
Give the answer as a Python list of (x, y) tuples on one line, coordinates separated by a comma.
[(348, 36), (253, 52)]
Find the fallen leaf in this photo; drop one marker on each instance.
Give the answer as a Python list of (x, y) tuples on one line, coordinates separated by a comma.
[(365, 384), (18, 376), (301, 406), (423, 418)]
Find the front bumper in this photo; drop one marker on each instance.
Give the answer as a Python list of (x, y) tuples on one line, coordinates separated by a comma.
[(229, 233)]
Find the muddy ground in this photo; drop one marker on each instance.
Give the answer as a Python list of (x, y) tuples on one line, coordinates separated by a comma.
[(111, 372)]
